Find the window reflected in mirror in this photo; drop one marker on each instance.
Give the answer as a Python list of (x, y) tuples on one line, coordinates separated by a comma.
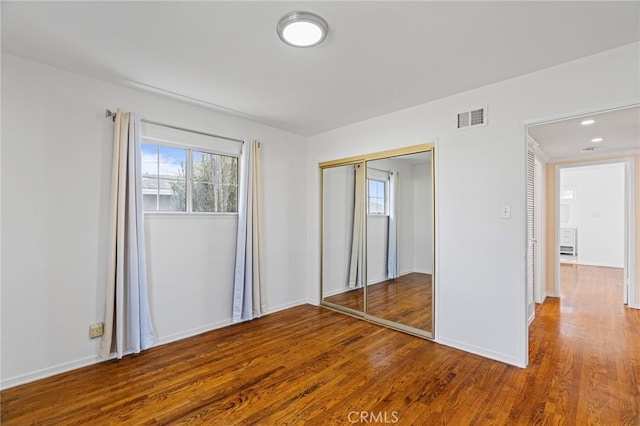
[(377, 242), (399, 243)]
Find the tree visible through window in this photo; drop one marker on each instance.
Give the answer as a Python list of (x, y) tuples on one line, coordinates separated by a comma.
[(206, 183), (215, 182)]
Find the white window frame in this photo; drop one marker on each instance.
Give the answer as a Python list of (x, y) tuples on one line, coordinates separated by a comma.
[(385, 197), (188, 212)]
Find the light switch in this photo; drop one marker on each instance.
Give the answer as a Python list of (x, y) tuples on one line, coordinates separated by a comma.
[(506, 212)]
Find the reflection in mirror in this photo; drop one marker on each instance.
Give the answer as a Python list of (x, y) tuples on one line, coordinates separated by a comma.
[(342, 239), (399, 240)]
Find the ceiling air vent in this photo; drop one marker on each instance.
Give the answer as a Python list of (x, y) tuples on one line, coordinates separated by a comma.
[(475, 118)]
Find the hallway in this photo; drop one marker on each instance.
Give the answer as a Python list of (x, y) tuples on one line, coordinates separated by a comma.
[(591, 346)]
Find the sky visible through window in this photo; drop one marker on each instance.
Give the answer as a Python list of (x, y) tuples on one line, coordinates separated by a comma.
[(162, 160), (376, 197), (212, 187)]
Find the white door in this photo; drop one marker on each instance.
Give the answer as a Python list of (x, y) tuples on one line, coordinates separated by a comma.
[(538, 225), (531, 241)]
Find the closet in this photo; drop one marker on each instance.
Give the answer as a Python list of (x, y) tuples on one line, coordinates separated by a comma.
[(377, 238)]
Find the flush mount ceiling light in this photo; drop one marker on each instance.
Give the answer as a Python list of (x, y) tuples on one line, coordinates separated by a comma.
[(302, 29), (596, 140), (587, 122)]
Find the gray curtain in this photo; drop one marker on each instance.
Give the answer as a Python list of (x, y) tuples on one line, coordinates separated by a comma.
[(392, 241), (357, 255), (247, 285), (128, 327)]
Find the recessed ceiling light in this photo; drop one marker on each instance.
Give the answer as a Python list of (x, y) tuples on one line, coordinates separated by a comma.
[(587, 122), (596, 140), (302, 29)]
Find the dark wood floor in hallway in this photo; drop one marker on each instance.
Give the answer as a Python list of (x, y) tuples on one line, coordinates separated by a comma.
[(309, 365)]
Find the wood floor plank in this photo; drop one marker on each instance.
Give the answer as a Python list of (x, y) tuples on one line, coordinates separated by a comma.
[(309, 365), (406, 300)]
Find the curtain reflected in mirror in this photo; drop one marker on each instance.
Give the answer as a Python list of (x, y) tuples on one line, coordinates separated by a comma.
[(342, 236), (377, 243), (399, 240)]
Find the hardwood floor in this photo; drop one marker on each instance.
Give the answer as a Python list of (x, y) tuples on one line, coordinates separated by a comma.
[(406, 300), (353, 299), (309, 365)]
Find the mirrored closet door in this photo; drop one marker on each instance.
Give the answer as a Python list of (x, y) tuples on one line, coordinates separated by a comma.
[(342, 236), (377, 238)]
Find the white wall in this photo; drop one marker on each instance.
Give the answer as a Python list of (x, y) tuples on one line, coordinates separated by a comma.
[(480, 257), (377, 247), (56, 160), (338, 203), (423, 238), (597, 212)]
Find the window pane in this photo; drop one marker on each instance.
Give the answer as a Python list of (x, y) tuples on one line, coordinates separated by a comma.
[(229, 197), (203, 197), (171, 162), (215, 183), (172, 195), (150, 201), (376, 197), (149, 159), (163, 178)]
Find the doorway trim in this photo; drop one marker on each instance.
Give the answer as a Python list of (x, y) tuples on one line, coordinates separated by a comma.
[(632, 179)]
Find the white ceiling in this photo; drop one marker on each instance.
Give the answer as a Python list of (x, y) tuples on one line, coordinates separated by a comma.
[(566, 139), (379, 57)]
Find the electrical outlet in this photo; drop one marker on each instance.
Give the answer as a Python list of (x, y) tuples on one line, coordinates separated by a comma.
[(96, 330)]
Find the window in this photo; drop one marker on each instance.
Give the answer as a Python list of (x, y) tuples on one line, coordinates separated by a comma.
[(568, 193), (188, 180), (376, 197)]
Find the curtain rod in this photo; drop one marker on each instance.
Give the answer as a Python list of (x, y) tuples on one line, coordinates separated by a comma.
[(109, 113), (379, 170)]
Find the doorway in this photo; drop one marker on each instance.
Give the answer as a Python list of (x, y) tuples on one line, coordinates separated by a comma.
[(591, 219), (608, 139)]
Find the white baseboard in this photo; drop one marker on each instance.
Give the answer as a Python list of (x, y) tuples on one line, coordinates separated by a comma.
[(339, 291), (486, 353), (220, 324), (377, 280), (49, 371), (95, 359), (416, 270), (602, 265), (285, 306), (191, 332)]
